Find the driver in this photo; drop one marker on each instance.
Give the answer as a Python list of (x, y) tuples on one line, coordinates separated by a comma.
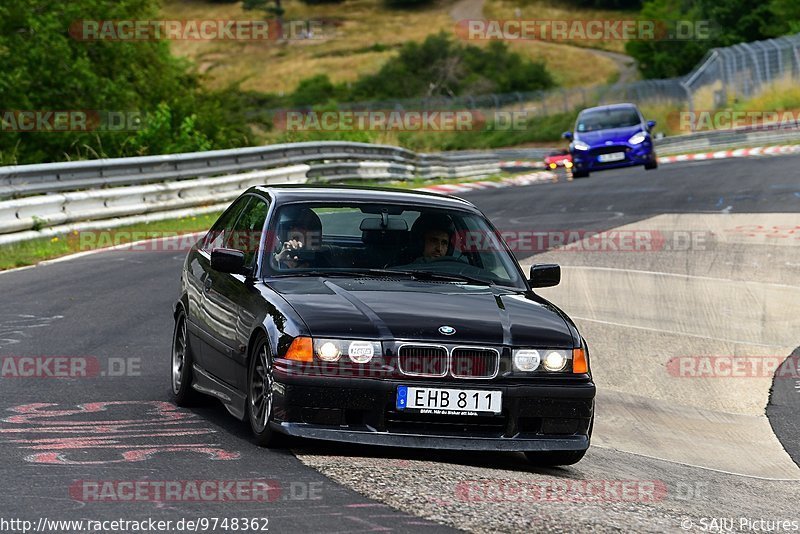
[(303, 232), (435, 234)]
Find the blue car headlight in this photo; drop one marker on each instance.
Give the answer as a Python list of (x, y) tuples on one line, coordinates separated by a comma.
[(637, 138), (580, 145)]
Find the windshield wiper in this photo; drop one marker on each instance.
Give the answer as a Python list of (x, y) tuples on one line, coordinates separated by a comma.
[(413, 273), (317, 272), (430, 275)]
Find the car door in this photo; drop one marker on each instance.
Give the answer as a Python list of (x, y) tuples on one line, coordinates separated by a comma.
[(199, 280), (227, 295)]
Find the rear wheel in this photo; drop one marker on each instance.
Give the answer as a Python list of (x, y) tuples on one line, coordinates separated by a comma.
[(580, 174), (554, 458), (260, 392), (182, 362)]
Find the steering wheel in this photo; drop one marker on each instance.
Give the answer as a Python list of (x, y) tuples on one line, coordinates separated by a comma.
[(444, 259)]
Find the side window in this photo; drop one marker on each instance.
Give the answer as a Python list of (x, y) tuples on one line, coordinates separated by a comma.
[(218, 235), (246, 234)]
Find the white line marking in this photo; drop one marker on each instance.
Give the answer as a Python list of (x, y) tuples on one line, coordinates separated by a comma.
[(694, 465), (677, 333), (121, 246), (676, 275)]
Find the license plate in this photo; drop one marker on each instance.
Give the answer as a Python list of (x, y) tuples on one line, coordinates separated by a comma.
[(441, 401), (614, 156)]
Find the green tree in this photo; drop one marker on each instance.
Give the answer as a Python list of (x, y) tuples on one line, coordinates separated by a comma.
[(730, 22), (47, 64)]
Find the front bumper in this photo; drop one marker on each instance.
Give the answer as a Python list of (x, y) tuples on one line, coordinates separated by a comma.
[(535, 417), (640, 154)]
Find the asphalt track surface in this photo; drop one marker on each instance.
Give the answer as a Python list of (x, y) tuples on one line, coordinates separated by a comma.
[(58, 433)]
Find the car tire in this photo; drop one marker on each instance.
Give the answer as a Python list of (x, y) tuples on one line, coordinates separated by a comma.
[(181, 363), (554, 458), (260, 393), (651, 166), (580, 174)]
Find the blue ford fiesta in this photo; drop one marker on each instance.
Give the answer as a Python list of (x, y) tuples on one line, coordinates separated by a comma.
[(609, 137)]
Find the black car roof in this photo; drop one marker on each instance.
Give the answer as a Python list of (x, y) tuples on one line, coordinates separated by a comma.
[(325, 193)]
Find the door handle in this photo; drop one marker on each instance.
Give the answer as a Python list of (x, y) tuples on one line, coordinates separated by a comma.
[(207, 284)]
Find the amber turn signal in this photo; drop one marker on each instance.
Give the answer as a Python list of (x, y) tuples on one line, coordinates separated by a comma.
[(579, 363), (301, 350)]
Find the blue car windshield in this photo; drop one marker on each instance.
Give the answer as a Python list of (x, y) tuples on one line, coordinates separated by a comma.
[(590, 121)]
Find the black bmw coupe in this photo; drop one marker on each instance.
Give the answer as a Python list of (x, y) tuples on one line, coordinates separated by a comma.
[(381, 317)]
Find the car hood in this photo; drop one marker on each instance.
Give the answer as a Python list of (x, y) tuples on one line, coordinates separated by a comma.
[(414, 310), (615, 135)]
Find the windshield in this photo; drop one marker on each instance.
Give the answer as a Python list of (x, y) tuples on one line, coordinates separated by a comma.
[(605, 119), (388, 240)]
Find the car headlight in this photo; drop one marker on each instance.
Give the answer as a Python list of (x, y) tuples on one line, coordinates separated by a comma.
[(358, 351), (637, 138), (555, 360), (580, 145), (526, 360)]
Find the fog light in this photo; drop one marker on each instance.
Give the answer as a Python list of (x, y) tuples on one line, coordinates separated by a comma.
[(555, 361), (328, 352), (526, 360), (361, 351)]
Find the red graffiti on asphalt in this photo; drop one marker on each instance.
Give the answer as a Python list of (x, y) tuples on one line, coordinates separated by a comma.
[(92, 428)]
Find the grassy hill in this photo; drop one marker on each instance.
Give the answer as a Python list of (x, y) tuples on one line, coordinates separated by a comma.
[(360, 35)]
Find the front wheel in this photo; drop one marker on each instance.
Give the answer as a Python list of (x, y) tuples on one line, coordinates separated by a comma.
[(554, 458), (260, 393), (580, 174), (182, 362), (651, 166)]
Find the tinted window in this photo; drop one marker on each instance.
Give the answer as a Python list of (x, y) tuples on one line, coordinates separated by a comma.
[(247, 230), (220, 232)]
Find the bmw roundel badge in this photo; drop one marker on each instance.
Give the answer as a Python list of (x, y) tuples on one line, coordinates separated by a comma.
[(447, 330)]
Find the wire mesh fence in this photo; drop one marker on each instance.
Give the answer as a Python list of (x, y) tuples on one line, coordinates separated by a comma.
[(722, 77), (735, 72)]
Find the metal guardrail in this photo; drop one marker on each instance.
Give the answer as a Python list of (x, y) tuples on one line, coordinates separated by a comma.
[(720, 139), (76, 175), (124, 187)]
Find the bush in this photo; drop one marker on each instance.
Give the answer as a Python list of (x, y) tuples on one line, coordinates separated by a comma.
[(315, 90), (440, 67)]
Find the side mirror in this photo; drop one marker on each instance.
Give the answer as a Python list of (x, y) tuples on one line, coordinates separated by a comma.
[(545, 275), (567, 136), (651, 125), (226, 260)]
